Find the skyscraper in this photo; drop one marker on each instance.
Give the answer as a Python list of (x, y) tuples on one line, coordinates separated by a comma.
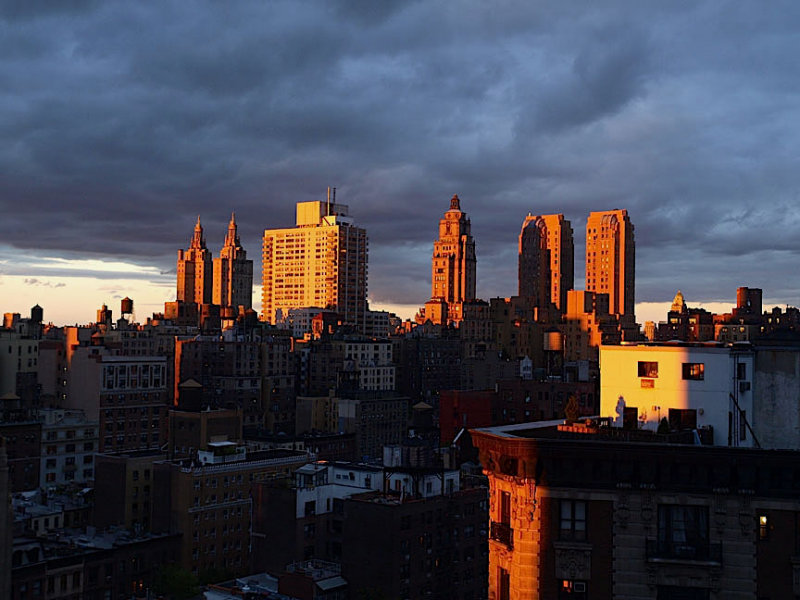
[(546, 260), (453, 265), (610, 259), (322, 262), (194, 270), (534, 262), (562, 259), (233, 273)]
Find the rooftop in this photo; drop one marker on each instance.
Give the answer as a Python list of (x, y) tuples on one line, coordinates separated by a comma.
[(591, 429)]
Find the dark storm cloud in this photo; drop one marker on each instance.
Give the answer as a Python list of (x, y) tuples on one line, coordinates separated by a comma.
[(121, 122)]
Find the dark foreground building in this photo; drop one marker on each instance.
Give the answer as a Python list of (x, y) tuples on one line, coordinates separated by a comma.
[(584, 512), (397, 547)]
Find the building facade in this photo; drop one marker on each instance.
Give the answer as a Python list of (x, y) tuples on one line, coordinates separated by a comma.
[(195, 279), (320, 262), (580, 512), (454, 262), (534, 275), (209, 501), (611, 259), (69, 444), (233, 273)]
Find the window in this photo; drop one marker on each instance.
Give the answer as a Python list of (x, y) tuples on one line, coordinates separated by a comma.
[(694, 371), (683, 531), (741, 370), (648, 369), (505, 508), (674, 592), (572, 520), (503, 584), (743, 425), (682, 418), (311, 508), (763, 527), (572, 590)]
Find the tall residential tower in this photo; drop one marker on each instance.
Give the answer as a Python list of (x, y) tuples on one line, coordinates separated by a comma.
[(322, 262), (546, 260), (194, 270), (233, 273), (453, 266), (610, 260)]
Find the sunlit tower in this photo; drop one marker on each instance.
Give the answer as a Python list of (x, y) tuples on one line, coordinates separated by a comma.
[(233, 273), (610, 260), (321, 262), (454, 262), (195, 270)]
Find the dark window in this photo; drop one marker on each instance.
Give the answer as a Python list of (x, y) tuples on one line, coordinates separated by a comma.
[(311, 508), (503, 584), (683, 531), (648, 369), (505, 508), (675, 592), (741, 370), (572, 520), (682, 418), (694, 371)]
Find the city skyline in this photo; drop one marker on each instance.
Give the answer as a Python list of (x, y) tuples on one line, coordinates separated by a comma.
[(114, 142)]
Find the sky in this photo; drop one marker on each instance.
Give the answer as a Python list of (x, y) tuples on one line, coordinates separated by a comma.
[(121, 122)]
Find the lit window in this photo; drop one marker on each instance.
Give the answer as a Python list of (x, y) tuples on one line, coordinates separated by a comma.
[(648, 369), (694, 371), (763, 527)]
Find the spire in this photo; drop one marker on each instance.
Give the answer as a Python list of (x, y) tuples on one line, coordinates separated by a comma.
[(455, 204), (197, 239), (232, 237)]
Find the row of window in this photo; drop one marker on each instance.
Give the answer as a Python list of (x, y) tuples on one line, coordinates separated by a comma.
[(689, 371)]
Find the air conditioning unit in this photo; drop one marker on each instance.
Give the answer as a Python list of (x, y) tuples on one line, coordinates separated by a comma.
[(579, 587), (744, 386)]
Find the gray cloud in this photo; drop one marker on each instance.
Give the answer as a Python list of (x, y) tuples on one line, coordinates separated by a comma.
[(39, 282), (120, 122)]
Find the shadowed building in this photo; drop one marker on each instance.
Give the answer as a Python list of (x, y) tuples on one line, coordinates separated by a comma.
[(583, 512), (546, 260), (534, 262)]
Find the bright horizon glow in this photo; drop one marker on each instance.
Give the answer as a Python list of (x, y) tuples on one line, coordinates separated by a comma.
[(70, 290)]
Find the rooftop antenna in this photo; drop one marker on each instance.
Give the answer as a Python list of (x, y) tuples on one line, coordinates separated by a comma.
[(328, 203)]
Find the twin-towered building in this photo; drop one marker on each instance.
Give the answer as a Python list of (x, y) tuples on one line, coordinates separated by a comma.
[(226, 281), (321, 263)]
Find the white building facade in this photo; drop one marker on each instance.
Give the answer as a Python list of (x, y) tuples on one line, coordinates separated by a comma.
[(702, 386)]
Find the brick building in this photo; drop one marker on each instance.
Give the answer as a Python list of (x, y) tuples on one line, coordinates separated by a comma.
[(582, 512)]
